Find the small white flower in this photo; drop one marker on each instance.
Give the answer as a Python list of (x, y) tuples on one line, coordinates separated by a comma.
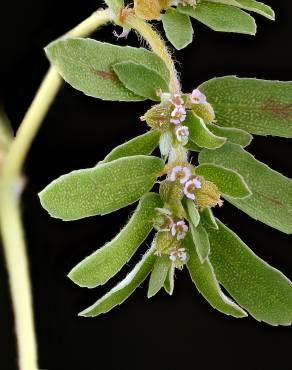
[(191, 186), (178, 115), (197, 97), (176, 100), (179, 229), (182, 133), (182, 254), (122, 35), (180, 173), (178, 255)]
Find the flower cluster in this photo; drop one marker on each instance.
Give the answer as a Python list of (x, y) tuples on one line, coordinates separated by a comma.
[(174, 231), (178, 116), (184, 176)]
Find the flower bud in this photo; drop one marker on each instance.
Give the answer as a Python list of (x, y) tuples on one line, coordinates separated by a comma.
[(208, 195), (157, 117), (164, 241)]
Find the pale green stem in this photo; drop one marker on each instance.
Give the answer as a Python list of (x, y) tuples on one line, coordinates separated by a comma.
[(10, 217), (158, 46)]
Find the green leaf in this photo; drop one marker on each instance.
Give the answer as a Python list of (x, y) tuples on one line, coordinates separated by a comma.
[(140, 145), (228, 181), (203, 276), (208, 218), (262, 290), (192, 211), (271, 199), (87, 65), (169, 280), (103, 264), (115, 5), (140, 79), (201, 241), (250, 5), (101, 189), (257, 106), (123, 289), (158, 275), (200, 134), (178, 28), (234, 135), (221, 17)]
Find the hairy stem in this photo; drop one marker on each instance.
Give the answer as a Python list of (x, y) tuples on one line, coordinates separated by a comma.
[(10, 215), (157, 45)]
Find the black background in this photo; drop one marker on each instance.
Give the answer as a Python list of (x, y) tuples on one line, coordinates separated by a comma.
[(182, 331)]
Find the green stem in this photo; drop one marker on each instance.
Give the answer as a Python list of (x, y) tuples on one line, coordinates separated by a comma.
[(10, 215), (157, 45)]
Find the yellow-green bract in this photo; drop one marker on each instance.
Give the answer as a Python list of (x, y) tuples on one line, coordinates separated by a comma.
[(271, 199), (205, 280), (101, 189), (158, 275), (257, 106), (103, 264), (262, 290)]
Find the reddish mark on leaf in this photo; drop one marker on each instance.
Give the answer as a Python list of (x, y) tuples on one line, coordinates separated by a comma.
[(105, 74), (278, 109), (270, 198)]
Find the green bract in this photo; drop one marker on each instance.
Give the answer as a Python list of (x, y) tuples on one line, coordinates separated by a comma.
[(101, 189), (89, 66)]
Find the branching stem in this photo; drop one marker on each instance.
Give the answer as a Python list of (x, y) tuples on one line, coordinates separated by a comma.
[(10, 215)]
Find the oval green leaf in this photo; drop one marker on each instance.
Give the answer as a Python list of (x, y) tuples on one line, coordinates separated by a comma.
[(140, 145), (229, 182), (221, 17), (103, 264), (101, 189), (271, 199), (158, 275), (123, 289), (140, 79), (208, 218), (251, 5), (178, 28), (204, 278), (234, 135), (87, 65), (257, 106), (201, 241), (169, 280), (192, 211), (200, 134), (259, 288)]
